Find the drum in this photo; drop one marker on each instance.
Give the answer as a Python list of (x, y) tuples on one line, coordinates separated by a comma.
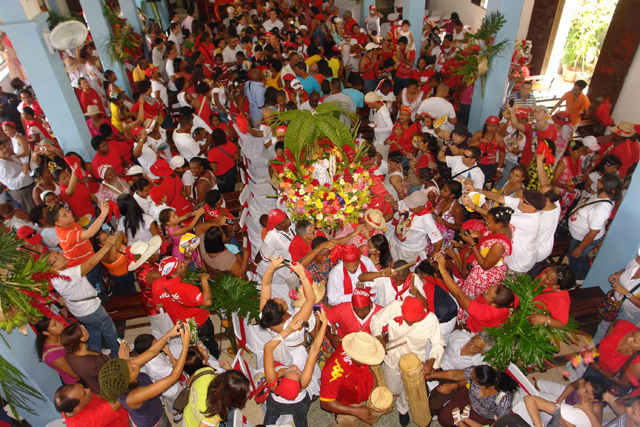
[(380, 402), (415, 388)]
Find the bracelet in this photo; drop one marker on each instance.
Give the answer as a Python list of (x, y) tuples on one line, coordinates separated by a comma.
[(278, 337), (472, 246), (548, 320)]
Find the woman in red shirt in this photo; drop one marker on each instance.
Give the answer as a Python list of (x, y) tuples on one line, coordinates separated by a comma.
[(620, 344), (555, 297), (172, 186), (223, 157), (89, 96), (491, 144), (422, 75), (369, 67), (78, 197), (489, 310)]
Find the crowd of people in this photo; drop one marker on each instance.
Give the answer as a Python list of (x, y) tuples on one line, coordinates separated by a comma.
[(452, 214)]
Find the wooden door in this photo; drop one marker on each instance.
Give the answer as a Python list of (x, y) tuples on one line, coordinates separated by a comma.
[(619, 48), (542, 31)]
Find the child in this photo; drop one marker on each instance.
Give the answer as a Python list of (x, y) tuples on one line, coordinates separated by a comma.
[(394, 140), (609, 164), (47, 231), (277, 168), (116, 263), (171, 227), (159, 200), (428, 119), (32, 244), (142, 187)]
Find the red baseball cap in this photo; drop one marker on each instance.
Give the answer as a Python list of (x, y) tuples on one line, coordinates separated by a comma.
[(276, 216), (288, 77), (287, 388), (522, 113), (156, 194), (29, 235), (492, 120)]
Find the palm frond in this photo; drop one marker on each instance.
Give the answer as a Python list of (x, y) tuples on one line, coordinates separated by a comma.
[(17, 393)]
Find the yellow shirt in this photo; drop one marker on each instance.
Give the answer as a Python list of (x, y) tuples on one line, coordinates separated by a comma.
[(273, 82), (312, 60), (194, 411), (334, 64), (114, 116), (138, 74)]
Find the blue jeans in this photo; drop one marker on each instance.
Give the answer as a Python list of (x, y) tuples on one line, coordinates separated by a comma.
[(604, 325), (100, 325), (580, 265)]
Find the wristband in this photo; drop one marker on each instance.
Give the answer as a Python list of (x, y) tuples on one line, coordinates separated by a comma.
[(500, 169)]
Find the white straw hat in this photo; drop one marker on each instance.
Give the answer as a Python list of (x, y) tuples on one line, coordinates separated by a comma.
[(363, 348)]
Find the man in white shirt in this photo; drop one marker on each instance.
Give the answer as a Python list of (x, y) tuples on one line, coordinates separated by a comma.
[(187, 146), (526, 220), (415, 230), (15, 176), (171, 71), (549, 217), (411, 334), (443, 52), (312, 103), (175, 36), (464, 167), (188, 21), (82, 299), (294, 57), (440, 106), (273, 21), (382, 124), (343, 278), (157, 56), (146, 155), (342, 99), (393, 284), (229, 53)]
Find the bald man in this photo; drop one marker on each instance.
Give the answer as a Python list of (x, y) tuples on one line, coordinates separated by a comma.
[(439, 105)]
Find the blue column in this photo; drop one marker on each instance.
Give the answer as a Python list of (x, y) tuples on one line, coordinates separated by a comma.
[(22, 355), (494, 88), (365, 10), (101, 32), (163, 10), (48, 78), (620, 244), (53, 6), (146, 9), (413, 10), (130, 13)]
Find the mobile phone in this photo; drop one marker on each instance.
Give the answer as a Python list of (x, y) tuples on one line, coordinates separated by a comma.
[(512, 102), (230, 222), (286, 262), (316, 308)]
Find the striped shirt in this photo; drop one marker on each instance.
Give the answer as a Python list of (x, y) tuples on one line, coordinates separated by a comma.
[(76, 250), (530, 102)]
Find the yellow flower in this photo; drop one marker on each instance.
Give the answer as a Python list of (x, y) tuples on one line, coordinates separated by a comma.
[(319, 204), (331, 196), (349, 209), (320, 217), (306, 198)]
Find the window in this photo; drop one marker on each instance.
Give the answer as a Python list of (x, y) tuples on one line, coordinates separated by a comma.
[(481, 3)]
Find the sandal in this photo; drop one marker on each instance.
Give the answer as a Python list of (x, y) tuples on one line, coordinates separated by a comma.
[(456, 416), (466, 412)]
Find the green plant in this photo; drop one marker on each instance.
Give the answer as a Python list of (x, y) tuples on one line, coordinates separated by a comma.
[(587, 31), (122, 42), (56, 18), (305, 128), (17, 393), (520, 342)]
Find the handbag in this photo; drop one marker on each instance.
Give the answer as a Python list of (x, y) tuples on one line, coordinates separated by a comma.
[(609, 306), (183, 398)]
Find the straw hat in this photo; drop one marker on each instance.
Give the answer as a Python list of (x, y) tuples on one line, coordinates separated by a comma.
[(92, 110), (144, 250), (299, 297), (375, 219), (624, 129), (363, 348), (372, 97), (71, 64)]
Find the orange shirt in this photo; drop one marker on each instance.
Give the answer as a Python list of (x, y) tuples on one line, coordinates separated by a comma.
[(119, 267), (74, 248), (576, 106)]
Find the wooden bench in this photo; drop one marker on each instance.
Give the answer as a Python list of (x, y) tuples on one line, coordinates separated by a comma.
[(558, 252), (584, 308), (126, 307)]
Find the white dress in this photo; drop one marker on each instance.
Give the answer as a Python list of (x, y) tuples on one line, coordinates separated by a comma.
[(392, 191)]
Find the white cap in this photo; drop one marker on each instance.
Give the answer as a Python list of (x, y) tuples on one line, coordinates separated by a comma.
[(295, 84), (371, 46), (176, 162), (45, 192), (338, 20), (135, 170), (303, 27), (372, 97), (591, 142)]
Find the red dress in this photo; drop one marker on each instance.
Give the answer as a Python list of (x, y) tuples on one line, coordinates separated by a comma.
[(146, 296), (610, 358), (91, 98), (479, 280), (172, 186)]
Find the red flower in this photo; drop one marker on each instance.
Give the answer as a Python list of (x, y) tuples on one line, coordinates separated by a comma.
[(327, 185), (315, 182), (349, 152), (359, 169), (291, 166), (289, 154), (348, 177)]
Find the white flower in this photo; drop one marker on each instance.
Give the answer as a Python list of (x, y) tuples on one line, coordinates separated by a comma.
[(320, 217), (301, 191), (306, 198), (341, 181)]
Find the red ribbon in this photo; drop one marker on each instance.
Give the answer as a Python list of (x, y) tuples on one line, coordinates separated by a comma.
[(543, 148)]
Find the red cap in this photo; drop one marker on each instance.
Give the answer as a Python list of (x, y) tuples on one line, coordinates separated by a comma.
[(492, 120), (156, 194), (348, 253), (522, 113), (136, 131), (289, 44), (281, 130), (562, 118), (319, 16), (169, 265), (161, 168), (268, 33), (288, 77), (8, 123), (149, 71), (287, 388), (276, 216), (360, 298), (412, 309), (29, 235)]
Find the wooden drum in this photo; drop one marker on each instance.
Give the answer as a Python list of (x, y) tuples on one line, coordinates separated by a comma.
[(416, 389), (380, 402)]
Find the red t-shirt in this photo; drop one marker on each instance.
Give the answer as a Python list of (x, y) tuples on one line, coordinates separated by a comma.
[(347, 321), (422, 77), (91, 98), (183, 302), (98, 413), (113, 158), (80, 201), (627, 152), (348, 26), (299, 248), (483, 315), (172, 186), (123, 147), (551, 132), (344, 381), (404, 71), (76, 250), (223, 159), (610, 358), (557, 302), (362, 39)]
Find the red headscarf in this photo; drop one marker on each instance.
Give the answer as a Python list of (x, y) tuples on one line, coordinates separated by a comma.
[(347, 254), (360, 298), (276, 216)]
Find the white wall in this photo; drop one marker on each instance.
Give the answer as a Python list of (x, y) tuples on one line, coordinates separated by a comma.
[(628, 104), (525, 19), (31, 8)]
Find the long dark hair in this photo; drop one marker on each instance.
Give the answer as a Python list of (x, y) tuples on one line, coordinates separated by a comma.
[(194, 361), (382, 244), (487, 376), (227, 390), (41, 327), (71, 337), (131, 211)]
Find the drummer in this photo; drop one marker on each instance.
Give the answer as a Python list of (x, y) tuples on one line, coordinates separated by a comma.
[(410, 326), (350, 317), (347, 380)]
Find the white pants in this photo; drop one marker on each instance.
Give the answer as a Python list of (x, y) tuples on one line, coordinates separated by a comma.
[(381, 148), (401, 254), (395, 385), (549, 390)]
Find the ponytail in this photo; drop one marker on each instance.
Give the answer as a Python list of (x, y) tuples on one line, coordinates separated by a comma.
[(506, 384)]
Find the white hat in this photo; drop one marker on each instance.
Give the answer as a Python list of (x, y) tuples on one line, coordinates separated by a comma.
[(144, 250), (417, 199), (44, 194), (372, 97), (591, 142), (338, 20), (303, 27), (135, 170), (93, 110), (176, 162), (296, 84), (363, 348), (371, 46), (375, 219)]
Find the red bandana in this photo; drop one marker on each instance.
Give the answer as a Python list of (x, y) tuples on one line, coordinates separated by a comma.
[(406, 285)]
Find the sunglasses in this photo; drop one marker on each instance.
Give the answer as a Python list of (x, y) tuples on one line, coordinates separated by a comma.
[(467, 157)]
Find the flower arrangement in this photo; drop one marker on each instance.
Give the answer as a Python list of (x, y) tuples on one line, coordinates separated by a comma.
[(124, 45)]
